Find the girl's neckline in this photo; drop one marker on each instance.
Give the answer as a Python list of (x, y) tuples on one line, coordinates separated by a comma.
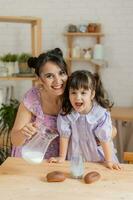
[(89, 112)]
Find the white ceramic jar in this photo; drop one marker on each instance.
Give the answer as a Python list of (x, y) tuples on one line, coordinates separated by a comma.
[(98, 52)]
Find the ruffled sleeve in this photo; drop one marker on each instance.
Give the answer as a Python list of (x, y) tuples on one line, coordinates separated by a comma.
[(103, 131), (63, 126), (30, 100)]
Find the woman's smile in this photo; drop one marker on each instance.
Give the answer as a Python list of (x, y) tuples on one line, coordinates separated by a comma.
[(56, 87)]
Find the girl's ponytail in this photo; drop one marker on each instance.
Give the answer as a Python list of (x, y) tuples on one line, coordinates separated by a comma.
[(101, 95)]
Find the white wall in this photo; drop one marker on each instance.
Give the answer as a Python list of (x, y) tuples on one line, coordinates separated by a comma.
[(116, 17)]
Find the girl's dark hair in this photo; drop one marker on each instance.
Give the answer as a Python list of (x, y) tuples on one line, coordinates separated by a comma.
[(87, 80), (54, 55)]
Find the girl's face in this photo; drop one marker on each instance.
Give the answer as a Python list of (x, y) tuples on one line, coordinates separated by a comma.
[(81, 99), (53, 79)]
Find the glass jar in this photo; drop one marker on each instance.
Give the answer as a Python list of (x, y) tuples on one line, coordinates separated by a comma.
[(34, 150), (3, 71)]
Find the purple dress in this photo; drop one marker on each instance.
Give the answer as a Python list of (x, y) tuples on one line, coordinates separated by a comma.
[(83, 131), (32, 103)]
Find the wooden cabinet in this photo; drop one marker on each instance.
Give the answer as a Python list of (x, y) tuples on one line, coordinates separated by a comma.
[(70, 40), (36, 37)]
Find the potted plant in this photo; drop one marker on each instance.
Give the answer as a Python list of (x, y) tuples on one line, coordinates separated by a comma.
[(9, 62), (22, 63), (7, 117), (9, 57)]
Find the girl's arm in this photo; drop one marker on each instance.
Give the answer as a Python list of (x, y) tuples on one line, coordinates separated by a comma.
[(63, 147), (113, 134), (23, 128), (62, 151), (64, 130), (107, 151), (108, 156)]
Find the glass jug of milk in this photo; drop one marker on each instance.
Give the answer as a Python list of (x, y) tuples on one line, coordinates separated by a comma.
[(34, 150)]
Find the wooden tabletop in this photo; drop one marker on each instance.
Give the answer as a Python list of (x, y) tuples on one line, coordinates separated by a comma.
[(122, 113), (22, 181)]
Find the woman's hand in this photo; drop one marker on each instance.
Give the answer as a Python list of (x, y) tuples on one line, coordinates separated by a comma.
[(29, 130), (114, 132), (56, 160), (112, 165)]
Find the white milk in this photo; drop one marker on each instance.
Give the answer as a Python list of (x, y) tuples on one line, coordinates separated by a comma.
[(77, 171), (77, 166), (33, 157)]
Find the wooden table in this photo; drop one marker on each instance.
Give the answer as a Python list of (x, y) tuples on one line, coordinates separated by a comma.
[(22, 181), (122, 113)]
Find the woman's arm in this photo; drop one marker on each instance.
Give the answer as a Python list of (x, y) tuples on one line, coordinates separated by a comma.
[(23, 128), (114, 132)]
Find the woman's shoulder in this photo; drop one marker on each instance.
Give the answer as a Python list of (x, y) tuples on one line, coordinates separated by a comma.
[(32, 93), (31, 100)]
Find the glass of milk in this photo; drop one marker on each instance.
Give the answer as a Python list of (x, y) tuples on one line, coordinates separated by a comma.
[(77, 166), (34, 150)]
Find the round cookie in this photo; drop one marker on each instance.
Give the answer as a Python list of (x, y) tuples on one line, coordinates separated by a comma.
[(91, 177), (56, 176)]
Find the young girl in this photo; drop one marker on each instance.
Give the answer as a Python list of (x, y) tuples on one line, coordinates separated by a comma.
[(85, 120)]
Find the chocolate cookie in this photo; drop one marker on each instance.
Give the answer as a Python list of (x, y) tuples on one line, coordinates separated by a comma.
[(91, 177), (56, 176)]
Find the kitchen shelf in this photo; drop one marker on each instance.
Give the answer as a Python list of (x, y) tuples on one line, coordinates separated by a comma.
[(85, 34), (70, 39), (36, 30), (36, 37), (92, 61)]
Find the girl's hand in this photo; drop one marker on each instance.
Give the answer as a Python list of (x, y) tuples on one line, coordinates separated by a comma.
[(29, 130), (56, 160), (112, 165)]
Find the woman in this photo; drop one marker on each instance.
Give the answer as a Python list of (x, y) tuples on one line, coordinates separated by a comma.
[(41, 106)]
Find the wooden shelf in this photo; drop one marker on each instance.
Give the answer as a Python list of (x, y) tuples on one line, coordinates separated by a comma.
[(36, 38), (70, 39), (17, 78), (100, 63), (36, 30), (84, 34), (78, 59), (17, 19)]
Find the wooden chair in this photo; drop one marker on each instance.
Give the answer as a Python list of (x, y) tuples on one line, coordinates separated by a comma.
[(128, 156)]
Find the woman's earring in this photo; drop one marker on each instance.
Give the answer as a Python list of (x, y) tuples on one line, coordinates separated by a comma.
[(39, 84), (40, 87)]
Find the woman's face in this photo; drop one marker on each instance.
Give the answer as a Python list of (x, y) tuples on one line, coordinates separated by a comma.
[(53, 78)]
